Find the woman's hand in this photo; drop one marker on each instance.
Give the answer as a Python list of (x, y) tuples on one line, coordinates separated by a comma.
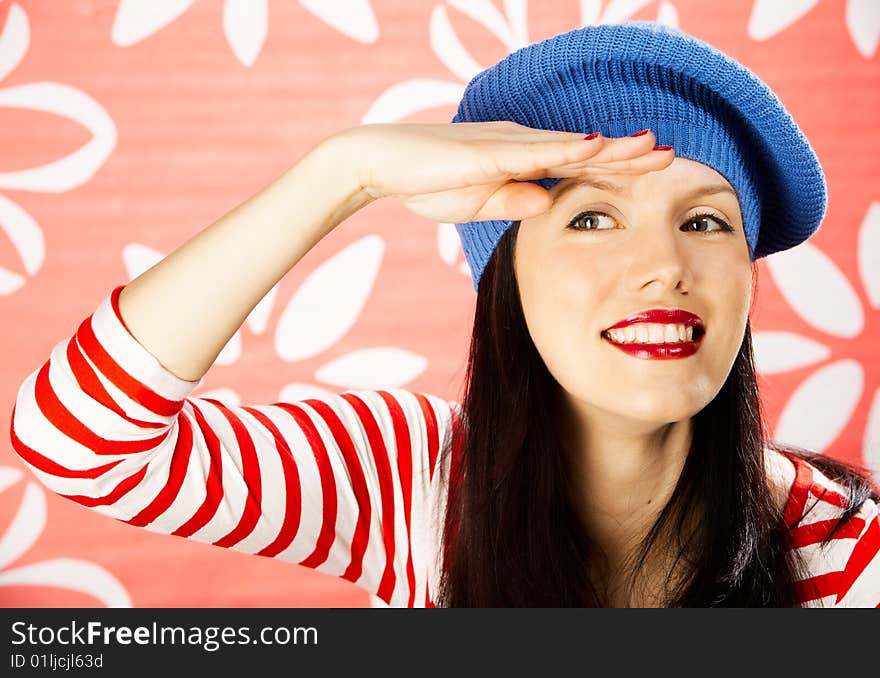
[(476, 171)]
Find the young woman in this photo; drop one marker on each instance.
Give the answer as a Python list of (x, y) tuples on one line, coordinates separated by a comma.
[(613, 188)]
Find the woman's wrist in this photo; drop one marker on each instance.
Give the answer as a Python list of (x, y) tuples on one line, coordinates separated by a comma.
[(343, 158)]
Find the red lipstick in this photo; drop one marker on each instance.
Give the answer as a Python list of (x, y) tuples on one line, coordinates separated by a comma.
[(661, 351)]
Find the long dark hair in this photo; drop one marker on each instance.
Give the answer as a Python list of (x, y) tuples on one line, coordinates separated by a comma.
[(512, 536)]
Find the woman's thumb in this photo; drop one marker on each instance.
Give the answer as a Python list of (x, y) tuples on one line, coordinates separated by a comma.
[(513, 201)]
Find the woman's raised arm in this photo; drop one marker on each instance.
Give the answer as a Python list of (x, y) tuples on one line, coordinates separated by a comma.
[(185, 308), (346, 484)]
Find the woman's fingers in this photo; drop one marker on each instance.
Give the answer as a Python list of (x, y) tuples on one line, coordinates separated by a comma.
[(506, 130), (649, 161), (620, 154), (526, 158)]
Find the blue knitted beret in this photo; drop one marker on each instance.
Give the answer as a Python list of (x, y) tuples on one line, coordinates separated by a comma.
[(620, 78)]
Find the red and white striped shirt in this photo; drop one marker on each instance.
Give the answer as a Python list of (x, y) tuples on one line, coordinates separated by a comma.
[(349, 485)]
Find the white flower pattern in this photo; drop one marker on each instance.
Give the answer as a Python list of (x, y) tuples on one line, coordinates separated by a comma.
[(22, 533), (64, 174), (245, 22), (770, 17), (821, 295)]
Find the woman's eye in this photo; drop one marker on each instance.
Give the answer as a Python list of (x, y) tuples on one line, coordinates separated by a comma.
[(591, 221), (703, 222)]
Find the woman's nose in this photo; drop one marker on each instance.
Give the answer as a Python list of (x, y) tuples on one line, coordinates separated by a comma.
[(662, 261)]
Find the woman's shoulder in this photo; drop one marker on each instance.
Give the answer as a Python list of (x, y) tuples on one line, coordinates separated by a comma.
[(839, 543), (807, 492), (781, 472), (420, 417)]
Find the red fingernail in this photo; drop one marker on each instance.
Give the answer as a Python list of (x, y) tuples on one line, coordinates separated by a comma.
[(662, 148), (638, 134), (591, 136)]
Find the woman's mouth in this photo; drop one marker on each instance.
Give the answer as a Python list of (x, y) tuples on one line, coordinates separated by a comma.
[(655, 341)]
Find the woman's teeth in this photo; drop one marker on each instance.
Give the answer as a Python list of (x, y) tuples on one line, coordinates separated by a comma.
[(651, 333)]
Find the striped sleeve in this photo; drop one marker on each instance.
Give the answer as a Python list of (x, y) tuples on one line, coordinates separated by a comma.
[(347, 484), (843, 571), (859, 583)]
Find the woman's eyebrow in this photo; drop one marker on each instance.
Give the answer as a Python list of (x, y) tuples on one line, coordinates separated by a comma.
[(699, 191)]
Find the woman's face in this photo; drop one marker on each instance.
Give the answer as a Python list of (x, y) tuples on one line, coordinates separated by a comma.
[(640, 248)]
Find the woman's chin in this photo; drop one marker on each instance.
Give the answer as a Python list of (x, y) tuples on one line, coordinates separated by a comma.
[(656, 408)]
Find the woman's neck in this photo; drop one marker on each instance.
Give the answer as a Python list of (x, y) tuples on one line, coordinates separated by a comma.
[(623, 473)]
